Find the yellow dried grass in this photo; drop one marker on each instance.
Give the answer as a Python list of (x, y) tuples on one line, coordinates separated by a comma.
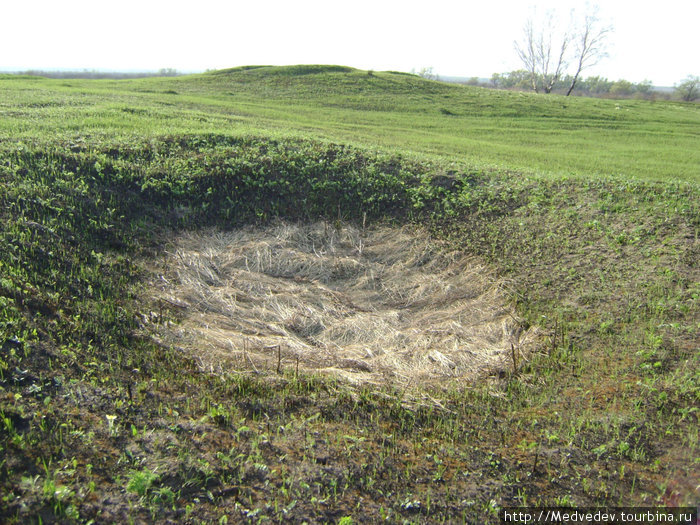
[(382, 304)]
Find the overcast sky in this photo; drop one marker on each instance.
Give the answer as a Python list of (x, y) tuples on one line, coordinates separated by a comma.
[(654, 40)]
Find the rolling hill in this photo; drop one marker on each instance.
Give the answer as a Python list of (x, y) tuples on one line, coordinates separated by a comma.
[(174, 251)]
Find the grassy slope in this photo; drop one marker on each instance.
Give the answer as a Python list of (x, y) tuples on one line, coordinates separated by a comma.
[(399, 112), (100, 423)]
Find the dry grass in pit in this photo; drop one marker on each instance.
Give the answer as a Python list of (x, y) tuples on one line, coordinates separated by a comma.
[(382, 304)]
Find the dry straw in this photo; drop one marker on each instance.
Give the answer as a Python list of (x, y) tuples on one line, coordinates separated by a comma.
[(370, 305)]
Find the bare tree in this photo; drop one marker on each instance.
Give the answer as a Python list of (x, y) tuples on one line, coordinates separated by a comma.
[(590, 44), (546, 51), (543, 53), (426, 72), (689, 89)]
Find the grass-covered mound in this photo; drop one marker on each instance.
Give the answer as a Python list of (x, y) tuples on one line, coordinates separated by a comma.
[(101, 422), (398, 113)]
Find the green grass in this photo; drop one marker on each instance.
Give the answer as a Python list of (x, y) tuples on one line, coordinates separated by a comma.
[(397, 112), (98, 422)]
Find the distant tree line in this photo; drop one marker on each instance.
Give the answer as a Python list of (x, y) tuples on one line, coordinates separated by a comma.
[(593, 86), (93, 74), (554, 55), (596, 86)]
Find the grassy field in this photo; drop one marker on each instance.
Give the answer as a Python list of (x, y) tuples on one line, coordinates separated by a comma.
[(395, 112), (587, 210)]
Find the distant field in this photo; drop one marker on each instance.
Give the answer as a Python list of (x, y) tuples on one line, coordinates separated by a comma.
[(402, 113), (315, 294)]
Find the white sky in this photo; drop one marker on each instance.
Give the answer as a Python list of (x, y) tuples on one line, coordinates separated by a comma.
[(655, 40)]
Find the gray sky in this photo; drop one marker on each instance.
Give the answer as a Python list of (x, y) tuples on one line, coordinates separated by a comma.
[(652, 40)]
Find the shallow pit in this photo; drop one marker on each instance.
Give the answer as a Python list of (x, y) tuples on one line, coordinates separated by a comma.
[(375, 305)]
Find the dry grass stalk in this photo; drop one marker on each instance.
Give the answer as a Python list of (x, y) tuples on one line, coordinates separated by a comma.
[(367, 304)]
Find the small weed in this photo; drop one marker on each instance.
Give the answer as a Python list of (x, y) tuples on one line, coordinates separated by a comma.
[(140, 481)]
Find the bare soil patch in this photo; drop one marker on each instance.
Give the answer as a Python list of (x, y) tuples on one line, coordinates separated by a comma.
[(375, 305)]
